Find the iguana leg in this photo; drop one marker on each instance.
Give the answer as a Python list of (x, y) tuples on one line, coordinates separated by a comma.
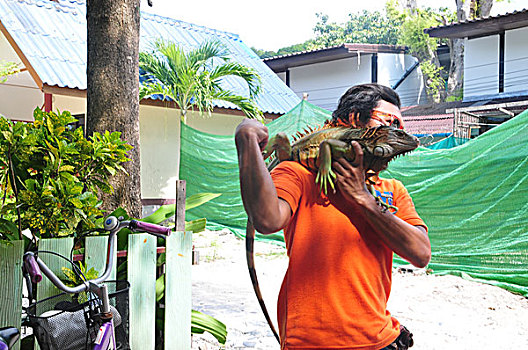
[(329, 149), (280, 144)]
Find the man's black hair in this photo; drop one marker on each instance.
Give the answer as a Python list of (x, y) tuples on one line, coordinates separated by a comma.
[(363, 99)]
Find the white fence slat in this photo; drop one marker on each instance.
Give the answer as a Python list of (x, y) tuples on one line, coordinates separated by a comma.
[(142, 295), (178, 301)]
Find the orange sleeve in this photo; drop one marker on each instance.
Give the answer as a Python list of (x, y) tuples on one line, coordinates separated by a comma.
[(406, 210), (288, 179)]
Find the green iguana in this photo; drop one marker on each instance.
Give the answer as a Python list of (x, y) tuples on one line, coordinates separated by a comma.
[(315, 151)]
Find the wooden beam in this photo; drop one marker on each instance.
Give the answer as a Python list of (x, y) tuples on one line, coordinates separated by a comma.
[(219, 110), (64, 91), (21, 55), (179, 217), (505, 111)]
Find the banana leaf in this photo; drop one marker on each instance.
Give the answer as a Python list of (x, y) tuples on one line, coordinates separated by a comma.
[(201, 323)]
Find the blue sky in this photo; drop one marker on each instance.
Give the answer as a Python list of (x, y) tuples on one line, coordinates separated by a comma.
[(273, 24)]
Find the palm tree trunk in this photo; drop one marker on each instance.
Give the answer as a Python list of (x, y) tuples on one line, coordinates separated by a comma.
[(113, 89)]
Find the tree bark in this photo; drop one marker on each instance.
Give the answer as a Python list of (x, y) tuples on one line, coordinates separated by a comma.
[(113, 89), (484, 7), (466, 10)]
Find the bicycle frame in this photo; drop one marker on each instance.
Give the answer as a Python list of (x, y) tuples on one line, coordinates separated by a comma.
[(105, 339), (8, 337)]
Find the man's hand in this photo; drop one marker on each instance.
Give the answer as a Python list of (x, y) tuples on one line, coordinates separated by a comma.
[(251, 130), (351, 176)]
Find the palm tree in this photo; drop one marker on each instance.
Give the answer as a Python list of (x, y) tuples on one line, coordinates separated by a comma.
[(194, 79)]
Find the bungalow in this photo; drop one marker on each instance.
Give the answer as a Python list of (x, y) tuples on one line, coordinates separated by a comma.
[(495, 71), (325, 74), (48, 40)]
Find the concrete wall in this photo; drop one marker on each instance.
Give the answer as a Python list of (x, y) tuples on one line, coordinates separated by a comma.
[(326, 82), (516, 60), (160, 145), (481, 66), (160, 151), (391, 68)]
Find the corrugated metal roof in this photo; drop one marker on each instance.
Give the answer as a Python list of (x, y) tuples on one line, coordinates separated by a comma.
[(52, 36), (479, 19), (429, 124), (350, 47)]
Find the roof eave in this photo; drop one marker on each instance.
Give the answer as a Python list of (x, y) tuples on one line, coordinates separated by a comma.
[(21, 55), (282, 63), (480, 27)]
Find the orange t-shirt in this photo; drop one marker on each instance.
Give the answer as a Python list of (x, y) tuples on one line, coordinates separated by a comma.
[(335, 291)]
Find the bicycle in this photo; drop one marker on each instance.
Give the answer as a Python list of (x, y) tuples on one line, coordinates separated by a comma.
[(8, 337), (99, 314)]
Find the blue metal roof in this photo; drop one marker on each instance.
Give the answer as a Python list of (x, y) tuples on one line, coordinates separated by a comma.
[(52, 36)]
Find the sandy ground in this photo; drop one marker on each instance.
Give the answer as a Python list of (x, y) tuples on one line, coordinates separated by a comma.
[(443, 312)]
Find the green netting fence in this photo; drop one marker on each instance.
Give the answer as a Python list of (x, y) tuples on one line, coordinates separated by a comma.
[(473, 197), (448, 142)]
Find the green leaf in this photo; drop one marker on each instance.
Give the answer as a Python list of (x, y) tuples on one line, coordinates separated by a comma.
[(160, 287), (9, 229), (76, 202), (199, 199), (196, 226), (201, 322), (68, 168), (111, 170)]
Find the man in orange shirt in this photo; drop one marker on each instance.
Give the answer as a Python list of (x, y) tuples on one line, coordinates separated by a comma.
[(340, 246)]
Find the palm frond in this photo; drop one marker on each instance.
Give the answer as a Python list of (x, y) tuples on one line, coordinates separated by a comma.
[(248, 106), (250, 76), (194, 79)]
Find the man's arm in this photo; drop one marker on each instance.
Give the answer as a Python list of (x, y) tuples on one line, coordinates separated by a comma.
[(267, 212), (408, 241)]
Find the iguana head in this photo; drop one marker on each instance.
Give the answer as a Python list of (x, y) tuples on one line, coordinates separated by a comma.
[(384, 143)]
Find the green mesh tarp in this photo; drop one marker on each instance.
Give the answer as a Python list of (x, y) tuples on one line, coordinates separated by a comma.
[(448, 142), (209, 164), (473, 197)]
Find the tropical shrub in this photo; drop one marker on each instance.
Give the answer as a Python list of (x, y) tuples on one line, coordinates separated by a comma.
[(50, 175)]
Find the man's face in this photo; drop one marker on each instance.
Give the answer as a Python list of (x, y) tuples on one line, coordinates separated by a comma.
[(384, 113)]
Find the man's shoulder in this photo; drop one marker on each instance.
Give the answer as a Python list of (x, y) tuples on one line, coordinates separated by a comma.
[(389, 183), (289, 165)]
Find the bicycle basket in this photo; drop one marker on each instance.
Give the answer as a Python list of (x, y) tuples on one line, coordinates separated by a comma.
[(66, 322)]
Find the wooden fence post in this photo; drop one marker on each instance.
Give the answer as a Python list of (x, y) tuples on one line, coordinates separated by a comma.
[(11, 286), (142, 294), (178, 302)]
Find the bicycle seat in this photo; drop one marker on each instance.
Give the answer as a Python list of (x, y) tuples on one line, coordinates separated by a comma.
[(9, 335)]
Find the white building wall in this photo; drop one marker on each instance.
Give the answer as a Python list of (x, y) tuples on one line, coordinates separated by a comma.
[(19, 95), (160, 145), (160, 151), (326, 82), (391, 68), (516, 60), (481, 66), (282, 76), (75, 105)]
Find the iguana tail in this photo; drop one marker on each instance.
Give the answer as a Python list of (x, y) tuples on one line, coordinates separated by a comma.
[(250, 240)]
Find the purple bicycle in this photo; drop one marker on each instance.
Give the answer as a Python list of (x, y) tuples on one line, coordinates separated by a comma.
[(8, 337), (73, 328)]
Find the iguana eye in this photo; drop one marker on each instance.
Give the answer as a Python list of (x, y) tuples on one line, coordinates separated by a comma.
[(379, 151)]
